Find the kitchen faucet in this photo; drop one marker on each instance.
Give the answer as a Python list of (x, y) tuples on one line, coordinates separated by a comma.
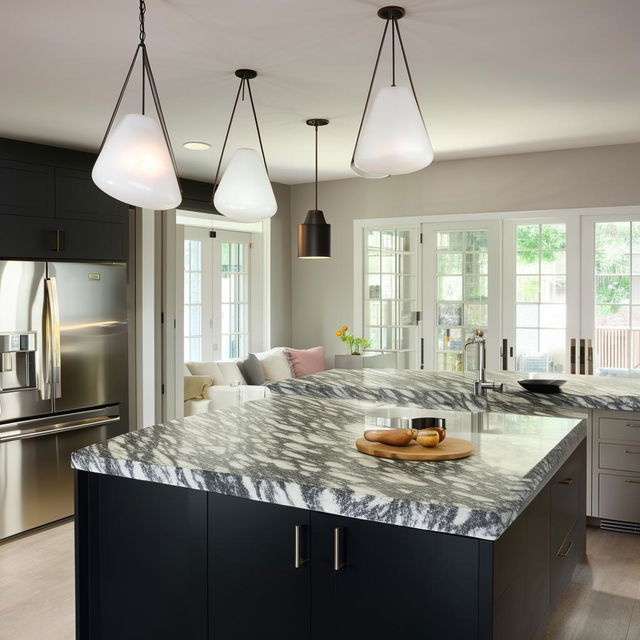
[(481, 385)]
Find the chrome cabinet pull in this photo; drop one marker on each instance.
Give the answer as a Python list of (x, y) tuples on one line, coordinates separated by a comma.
[(633, 481), (564, 554), (298, 560), (338, 562), (567, 481), (633, 424), (628, 451)]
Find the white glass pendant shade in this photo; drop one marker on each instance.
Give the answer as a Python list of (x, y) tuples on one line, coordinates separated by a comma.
[(135, 166), (245, 193), (393, 139), (365, 174)]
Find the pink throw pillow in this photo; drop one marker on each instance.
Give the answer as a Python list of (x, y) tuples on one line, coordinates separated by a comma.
[(304, 362)]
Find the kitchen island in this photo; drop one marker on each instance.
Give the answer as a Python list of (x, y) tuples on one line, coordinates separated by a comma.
[(265, 521)]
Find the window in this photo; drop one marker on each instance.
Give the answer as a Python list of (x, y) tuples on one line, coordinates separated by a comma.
[(541, 297), (193, 300), (234, 299), (391, 292), (617, 296), (462, 294)]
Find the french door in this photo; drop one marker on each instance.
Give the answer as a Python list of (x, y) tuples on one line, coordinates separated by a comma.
[(541, 289), (216, 294), (461, 292), (611, 292)]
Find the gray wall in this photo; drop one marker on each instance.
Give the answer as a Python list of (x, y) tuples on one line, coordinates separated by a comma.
[(322, 290), (281, 269)]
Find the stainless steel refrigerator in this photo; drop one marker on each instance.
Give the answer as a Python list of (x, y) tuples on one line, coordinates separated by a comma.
[(63, 380)]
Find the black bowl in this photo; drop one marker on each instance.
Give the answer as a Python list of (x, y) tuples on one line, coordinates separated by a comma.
[(538, 385)]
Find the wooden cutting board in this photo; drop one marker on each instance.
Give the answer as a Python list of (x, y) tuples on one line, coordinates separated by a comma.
[(448, 449)]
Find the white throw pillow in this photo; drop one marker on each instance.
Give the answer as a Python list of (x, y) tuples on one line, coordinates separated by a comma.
[(275, 364), (230, 372), (187, 371), (210, 369)]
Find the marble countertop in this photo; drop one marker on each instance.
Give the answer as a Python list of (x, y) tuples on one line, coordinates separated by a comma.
[(455, 390), (299, 451)]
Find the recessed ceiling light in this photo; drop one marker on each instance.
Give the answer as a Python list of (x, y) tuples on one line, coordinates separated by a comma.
[(197, 146)]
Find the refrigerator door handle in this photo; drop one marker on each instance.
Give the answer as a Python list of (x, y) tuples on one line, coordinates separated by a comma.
[(52, 338), (72, 425)]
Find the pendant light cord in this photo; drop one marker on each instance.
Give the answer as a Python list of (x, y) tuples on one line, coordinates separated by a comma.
[(244, 82), (394, 26), (373, 77), (406, 65), (316, 128), (143, 37)]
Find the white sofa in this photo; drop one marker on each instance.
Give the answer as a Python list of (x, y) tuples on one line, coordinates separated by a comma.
[(225, 387)]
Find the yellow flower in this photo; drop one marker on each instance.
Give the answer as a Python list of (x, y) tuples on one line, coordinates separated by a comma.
[(338, 333), (345, 328)]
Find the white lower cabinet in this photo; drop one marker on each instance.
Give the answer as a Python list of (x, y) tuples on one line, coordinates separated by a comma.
[(615, 475)]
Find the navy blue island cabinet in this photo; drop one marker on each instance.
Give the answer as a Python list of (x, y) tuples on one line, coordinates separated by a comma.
[(156, 562)]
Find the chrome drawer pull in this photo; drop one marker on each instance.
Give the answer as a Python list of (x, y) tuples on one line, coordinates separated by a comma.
[(633, 424), (338, 562), (564, 554), (567, 481), (633, 481), (636, 452), (298, 560)]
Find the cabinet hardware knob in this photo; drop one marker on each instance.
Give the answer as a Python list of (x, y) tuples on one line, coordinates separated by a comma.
[(629, 451), (298, 560), (564, 554), (633, 424), (338, 562), (566, 481)]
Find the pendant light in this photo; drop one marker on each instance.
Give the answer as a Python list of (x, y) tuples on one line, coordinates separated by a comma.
[(135, 162), (392, 137), (314, 234), (244, 193)]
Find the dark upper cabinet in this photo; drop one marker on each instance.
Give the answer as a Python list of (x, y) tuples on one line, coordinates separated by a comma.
[(51, 209), (26, 189), (78, 198), (255, 587)]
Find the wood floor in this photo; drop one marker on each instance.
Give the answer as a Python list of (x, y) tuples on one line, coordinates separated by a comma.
[(36, 589)]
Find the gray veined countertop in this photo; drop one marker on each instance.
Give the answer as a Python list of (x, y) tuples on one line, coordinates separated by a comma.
[(299, 451), (455, 390)]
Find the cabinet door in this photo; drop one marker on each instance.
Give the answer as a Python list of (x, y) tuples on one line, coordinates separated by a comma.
[(27, 237), (379, 581), (91, 240), (141, 560), (78, 198), (26, 189), (256, 588)]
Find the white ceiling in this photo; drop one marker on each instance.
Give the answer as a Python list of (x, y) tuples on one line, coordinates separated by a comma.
[(493, 76)]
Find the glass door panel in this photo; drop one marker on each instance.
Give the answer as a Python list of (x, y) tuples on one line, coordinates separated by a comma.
[(612, 294), (390, 293), (460, 269), (541, 293)]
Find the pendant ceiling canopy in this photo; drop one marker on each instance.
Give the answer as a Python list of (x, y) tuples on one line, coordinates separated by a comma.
[(392, 138), (135, 163), (314, 234), (244, 193)]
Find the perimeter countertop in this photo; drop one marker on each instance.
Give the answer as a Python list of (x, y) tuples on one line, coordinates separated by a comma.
[(298, 450), (455, 390)]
